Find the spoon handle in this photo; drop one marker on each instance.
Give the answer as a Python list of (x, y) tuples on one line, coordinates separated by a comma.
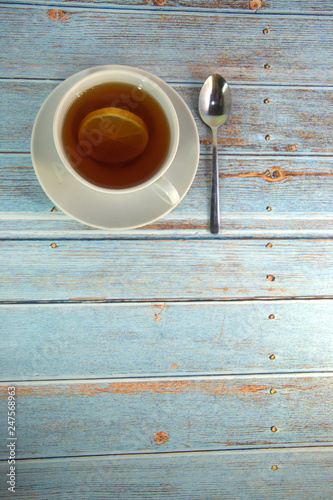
[(215, 201)]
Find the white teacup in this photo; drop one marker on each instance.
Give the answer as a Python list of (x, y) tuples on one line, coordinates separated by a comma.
[(158, 181)]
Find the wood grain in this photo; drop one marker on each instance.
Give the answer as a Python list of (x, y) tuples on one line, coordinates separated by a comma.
[(297, 120), (297, 474), (94, 417), (298, 191), (158, 339), (55, 226), (244, 6), (201, 367), (296, 48), (160, 270)]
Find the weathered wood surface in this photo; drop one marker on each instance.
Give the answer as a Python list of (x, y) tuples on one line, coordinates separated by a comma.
[(158, 339), (165, 270), (55, 225), (164, 339), (97, 417), (297, 120), (297, 191), (296, 48), (298, 474), (243, 6)]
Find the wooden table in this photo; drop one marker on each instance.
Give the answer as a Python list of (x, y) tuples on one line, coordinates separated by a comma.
[(165, 362)]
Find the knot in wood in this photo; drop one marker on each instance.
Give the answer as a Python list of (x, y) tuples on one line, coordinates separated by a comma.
[(273, 175), (161, 437), (57, 15), (255, 4)]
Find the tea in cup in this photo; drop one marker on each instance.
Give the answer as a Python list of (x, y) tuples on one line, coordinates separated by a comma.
[(117, 131)]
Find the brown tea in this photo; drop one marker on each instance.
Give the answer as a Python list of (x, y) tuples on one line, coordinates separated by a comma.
[(111, 174)]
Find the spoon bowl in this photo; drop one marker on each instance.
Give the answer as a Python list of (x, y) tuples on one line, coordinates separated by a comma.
[(214, 110)]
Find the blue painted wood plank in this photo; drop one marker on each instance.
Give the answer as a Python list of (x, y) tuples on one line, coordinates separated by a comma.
[(96, 417), (297, 120), (165, 270), (304, 474), (178, 412), (55, 225), (159, 339), (48, 46), (298, 191), (319, 7)]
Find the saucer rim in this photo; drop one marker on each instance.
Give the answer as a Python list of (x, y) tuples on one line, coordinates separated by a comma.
[(61, 88)]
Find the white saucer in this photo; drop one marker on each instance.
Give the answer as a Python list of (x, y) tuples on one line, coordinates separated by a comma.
[(104, 210)]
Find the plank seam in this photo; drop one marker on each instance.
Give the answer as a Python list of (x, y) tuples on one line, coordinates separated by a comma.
[(222, 451), (82, 6), (169, 378), (143, 302), (139, 235), (194, 83), (158, 299)]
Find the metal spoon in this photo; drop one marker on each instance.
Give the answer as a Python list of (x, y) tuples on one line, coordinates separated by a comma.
[(214, 109)]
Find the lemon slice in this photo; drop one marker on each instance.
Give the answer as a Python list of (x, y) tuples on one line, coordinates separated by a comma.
[(113, 135)]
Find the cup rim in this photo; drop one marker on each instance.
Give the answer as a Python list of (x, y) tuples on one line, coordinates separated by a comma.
[(87, 82)]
